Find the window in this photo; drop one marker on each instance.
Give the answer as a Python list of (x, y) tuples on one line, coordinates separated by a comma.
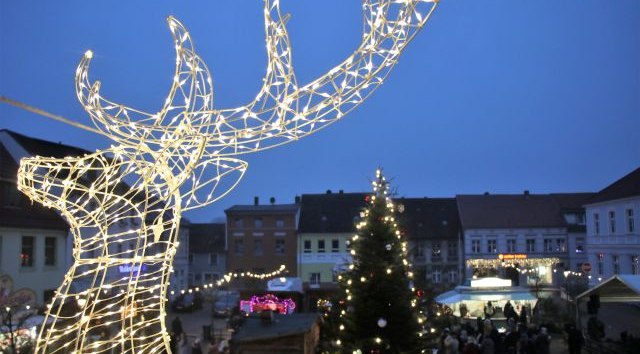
[(279, 223), (50, 251), (612, 222), (531, 245), (631, 227), (237, 222), (579, 244), (335, 246), (197, 279), (435, 249), (314, 279), (239, 246), (190, 258), (26, 256), (452, 250), (600, 257), (321, 246), (280, 247), (453, 276), (307, 246), (616, 264), (634, 265), (548, 245), (561, 245), (436, 276), (257, 247), (213, 259), (475, 246), (511, 245), (257, 223), (492, 246), (418, 252), (596, 223), (580, 218)]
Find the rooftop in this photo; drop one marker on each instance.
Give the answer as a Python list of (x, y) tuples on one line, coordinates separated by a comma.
[(330, 212), (626, 187), (255, 329), (206, 238)]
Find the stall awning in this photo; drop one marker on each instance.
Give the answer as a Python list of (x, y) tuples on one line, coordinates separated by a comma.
[(457, 296), (619, 288)]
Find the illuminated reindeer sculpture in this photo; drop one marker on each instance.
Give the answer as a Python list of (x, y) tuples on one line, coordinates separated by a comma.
[(177, 159)]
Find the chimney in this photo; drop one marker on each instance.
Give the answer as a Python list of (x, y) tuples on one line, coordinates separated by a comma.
[(328, 191), (486, 193), (256, 200), (297, 199), (272, 200), (341, 191), (526, 193)]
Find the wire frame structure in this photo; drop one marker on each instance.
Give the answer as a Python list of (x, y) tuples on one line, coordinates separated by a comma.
[(182, 157)]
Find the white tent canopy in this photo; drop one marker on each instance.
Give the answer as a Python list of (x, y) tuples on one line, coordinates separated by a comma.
[(618, 288)]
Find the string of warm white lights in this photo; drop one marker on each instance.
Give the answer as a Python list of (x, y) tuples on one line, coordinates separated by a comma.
[(526, 262), (124, 203), (231, 276), (380, 190)]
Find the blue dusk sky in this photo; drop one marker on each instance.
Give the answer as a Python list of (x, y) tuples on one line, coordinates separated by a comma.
[(492, 95)]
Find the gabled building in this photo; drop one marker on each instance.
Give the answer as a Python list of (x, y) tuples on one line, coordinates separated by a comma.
[(261, 238), (521, 237), (327, 223), (432, 226), (207, 259), (33, 239), (613, 234)]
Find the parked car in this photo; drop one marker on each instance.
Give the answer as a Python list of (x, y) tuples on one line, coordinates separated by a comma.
[(225, 303), (187, 302)]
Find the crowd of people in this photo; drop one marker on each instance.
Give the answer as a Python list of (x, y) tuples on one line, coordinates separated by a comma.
[(517, 337)]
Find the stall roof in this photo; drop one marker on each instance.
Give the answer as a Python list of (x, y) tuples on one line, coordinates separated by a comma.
[(618, 288), (458, 295)]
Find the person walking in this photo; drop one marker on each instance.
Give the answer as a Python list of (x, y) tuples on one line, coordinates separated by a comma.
[(489, 310), (576, 340), (176, 326), (543, 342)]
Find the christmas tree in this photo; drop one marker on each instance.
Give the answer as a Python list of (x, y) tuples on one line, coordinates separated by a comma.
[(378, 313)]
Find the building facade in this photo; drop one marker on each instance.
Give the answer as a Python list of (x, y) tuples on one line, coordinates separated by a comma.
[(33, 239), (207, 259), (261, 238), (327, 224), (520, 237), (613, 237), (432, 226)]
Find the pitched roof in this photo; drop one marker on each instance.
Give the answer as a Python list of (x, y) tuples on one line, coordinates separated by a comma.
[(509, 211), (429, 217), (330, 212), (626, 187), (255, 329), (39, 147), (572, 201), (206, 238), (15, 208), (264, 209)]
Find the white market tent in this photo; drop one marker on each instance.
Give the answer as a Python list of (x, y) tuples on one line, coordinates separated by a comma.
[(618, 288)]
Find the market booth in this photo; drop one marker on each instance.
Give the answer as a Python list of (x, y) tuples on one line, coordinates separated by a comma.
[(475, 293)]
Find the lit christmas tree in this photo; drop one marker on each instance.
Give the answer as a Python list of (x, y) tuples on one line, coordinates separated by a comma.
[(379, 311)]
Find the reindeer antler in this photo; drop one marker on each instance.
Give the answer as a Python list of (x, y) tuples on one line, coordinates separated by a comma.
[(282, 111)]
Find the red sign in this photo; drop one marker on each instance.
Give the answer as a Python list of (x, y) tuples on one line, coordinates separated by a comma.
[(586, 267)]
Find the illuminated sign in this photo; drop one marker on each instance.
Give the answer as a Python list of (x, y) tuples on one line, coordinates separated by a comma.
[(268, 303), (490, 283), (511, 256), (128, 268)]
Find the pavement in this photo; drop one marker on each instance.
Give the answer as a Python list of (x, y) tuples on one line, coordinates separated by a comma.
[(192, 323)]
